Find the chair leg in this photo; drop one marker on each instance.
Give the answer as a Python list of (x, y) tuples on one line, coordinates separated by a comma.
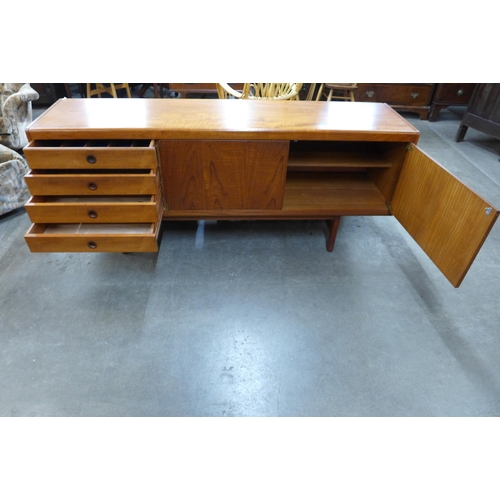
[(310, 92), (333, 227), (320, 91)]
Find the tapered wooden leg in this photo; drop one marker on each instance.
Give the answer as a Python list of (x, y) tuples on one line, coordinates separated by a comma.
[(462, 130), (333, 227)]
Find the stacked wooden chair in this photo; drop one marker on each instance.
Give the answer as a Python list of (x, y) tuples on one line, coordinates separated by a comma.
[(106, 88), (277, 91), (332, 91)]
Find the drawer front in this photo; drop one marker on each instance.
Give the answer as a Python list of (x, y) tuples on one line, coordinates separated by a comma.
[(453, 93), (97, 238), (92, 210), (91, 183), (42, 155), (397, 95)]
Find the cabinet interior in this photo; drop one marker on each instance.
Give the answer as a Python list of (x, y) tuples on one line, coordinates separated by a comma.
[(342, 177)]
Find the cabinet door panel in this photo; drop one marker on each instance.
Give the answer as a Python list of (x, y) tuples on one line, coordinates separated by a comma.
[(447, 219), (224, 175), (182, 169), (245, 174)]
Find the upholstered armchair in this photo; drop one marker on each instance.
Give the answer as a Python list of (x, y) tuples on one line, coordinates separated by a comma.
[(13, 190), (15, 113)]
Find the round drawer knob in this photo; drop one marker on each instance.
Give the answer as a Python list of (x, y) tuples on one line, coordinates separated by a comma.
[(414, 95), (460, 91), (92, 186), (92, 214), (92, 245), (370, 93), (91, 159)]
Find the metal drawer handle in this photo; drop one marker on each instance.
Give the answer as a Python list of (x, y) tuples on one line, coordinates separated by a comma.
[(370, 93), (92, 244), (92, 214), (92, 186), (460, 91), (414, 95), (91, 159)]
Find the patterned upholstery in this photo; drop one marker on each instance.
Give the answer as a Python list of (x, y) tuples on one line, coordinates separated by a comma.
[(13, 190), (15, 113)]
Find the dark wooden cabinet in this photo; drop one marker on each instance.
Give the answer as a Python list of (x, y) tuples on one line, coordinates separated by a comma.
[(450, 94), (413, 97), (483, 112)]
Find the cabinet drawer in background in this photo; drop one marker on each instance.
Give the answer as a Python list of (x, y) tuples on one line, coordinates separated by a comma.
[(92, 209), (453, 93), (98, 154), (395, 94), (92, 183), (93, 237)]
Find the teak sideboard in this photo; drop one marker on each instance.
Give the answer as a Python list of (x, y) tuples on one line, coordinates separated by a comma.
[(106, 172)]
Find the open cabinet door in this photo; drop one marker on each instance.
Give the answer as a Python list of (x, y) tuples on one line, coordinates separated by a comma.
[(448, 220)]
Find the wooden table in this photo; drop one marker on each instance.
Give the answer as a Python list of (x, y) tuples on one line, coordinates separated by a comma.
[(106, 172)]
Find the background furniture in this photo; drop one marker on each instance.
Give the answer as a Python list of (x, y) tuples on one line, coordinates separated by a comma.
[(337, 91), (239, 159), (49, 93), (450, 94), (108, 88), (483, 112), (15, 113), (13, 189), (198, 88), (157, 88), (413, 97), (276, 91)]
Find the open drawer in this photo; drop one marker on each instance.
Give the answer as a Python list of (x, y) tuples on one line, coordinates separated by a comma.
[(96, 154), (92, 209), (99, 182), (93, 237)]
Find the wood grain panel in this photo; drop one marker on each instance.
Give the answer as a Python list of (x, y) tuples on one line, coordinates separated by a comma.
[(223, 175), (228, 119), (182, 171), (448, 220), (244, 174)]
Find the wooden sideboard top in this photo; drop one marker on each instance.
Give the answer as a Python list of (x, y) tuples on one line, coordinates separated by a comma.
[(221, 119)]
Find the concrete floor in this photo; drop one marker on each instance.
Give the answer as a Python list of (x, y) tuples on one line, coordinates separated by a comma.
[(257, 318)]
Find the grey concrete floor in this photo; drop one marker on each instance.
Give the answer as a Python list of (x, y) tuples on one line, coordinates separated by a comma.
[(257, 318)]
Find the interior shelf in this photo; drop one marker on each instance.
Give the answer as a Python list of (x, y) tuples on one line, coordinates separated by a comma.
[(333, 194), (317, 155)]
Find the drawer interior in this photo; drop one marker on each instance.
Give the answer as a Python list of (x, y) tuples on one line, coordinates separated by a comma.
[(92, 199), (98, 143), (93, 172), (94, 229)]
